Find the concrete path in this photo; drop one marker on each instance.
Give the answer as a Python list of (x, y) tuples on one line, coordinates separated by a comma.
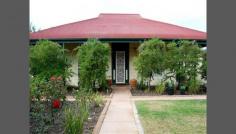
[(120, 117)]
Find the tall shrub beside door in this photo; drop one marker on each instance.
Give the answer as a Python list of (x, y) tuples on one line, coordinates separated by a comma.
[(93, 57)]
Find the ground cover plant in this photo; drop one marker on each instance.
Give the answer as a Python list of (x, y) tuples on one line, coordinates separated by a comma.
[(173, 116)]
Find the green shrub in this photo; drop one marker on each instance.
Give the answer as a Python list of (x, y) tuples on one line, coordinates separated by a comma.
[(160, 89), (83, 95), (41, 119), (93, 58), (193, 86), (146, 63), (47, 59), (55, 89), (203, 68), (36, 92), (75, 118), (97, 99)]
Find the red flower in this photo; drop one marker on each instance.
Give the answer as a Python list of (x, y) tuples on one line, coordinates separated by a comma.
[(59, 78), (56, 103), (53, 78)]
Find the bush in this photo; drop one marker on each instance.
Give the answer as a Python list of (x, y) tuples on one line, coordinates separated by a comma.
[(194, 86), (204, 66), (75, 118), (36, 92), (47, 58), (146, 63), (93, 59), (160, 89), (97, 99), (170, 87), (55, 89), (41, 119)]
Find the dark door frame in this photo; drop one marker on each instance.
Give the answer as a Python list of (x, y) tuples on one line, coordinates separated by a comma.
[(120, 47)]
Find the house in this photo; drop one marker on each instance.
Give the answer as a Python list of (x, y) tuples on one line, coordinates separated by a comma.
[(123, 32)]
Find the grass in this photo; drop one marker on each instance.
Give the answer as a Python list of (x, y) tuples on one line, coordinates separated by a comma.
[(173, 117)]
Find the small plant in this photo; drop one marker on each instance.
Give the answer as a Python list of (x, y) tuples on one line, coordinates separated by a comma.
[(141, 85), (160, 88), (170, 87), (74, 119), (97, 99), (182, 88), (193, 86)]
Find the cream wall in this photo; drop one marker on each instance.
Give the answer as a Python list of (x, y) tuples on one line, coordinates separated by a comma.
[(108, 73), (73, 81), (133, 52)]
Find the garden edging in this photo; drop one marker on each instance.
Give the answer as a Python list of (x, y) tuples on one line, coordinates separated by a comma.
[(101, 118), (137, 120)]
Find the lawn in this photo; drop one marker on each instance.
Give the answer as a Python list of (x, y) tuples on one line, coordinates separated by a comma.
[(173, 117)]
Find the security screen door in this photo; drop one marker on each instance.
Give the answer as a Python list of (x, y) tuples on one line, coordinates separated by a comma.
[(120, 63), (120, 67)]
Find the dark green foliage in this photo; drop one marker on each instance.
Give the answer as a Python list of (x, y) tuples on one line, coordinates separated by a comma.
[(41, 119), (204, 66), (93, 58), (54, 89), (75, 118), (47, 59), (49, 68), (146, 63), (176, 61)]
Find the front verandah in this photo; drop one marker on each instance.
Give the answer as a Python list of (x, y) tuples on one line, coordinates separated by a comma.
[(121, 68)]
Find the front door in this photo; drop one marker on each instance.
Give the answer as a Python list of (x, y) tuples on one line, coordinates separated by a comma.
[(120, 63), (120, 67)]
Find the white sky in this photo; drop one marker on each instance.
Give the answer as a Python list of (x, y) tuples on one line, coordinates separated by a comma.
[(50, 13)]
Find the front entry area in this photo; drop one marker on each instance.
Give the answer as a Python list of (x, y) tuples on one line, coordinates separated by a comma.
[(120, 63)]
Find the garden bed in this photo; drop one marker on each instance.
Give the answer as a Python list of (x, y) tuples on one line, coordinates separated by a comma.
[(71, 91), (152, 92), (58, 126)]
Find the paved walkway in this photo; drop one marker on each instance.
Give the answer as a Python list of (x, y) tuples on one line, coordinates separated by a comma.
[(120, 117)]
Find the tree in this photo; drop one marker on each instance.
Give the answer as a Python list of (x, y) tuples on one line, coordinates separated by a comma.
[(93, 57)]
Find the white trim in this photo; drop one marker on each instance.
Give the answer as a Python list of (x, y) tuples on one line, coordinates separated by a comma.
[(124, 68)]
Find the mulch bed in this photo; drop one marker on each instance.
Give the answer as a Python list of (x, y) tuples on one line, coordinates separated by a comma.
[(71, 91), (152, 92), (58, 126)]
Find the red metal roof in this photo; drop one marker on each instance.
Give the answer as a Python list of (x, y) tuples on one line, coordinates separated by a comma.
[(118, 26)]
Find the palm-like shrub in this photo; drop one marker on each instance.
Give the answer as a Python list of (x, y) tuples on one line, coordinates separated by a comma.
[(93, 58)]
